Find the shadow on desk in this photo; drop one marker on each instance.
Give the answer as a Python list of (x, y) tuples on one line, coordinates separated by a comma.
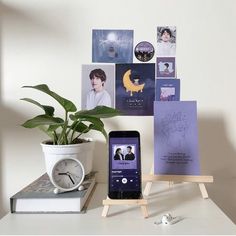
[(218, 158)]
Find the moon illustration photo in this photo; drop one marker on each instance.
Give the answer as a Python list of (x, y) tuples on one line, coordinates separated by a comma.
[(130, 86)]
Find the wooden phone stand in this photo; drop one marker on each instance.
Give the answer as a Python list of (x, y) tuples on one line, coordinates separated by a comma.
[(138, 202)]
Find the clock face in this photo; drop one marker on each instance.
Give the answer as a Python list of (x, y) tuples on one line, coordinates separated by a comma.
[(67, 174)]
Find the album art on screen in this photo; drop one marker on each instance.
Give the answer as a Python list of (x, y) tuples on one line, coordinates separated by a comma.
[(124, 156), (112, 46), (98, 83), (165, 67), (166, 41), (176, 138), (135, 88), (167, 90)]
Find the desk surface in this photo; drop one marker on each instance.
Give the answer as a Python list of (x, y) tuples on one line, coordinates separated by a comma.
[(184, 200)]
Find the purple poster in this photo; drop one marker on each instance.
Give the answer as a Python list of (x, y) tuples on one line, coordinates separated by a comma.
[(165, 67), (135, 88), (176, 138)]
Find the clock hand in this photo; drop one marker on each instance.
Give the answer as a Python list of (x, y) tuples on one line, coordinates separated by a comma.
[(62, 173), (71, 178)]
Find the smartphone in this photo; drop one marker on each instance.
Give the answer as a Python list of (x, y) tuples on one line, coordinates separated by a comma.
[(124, 165)]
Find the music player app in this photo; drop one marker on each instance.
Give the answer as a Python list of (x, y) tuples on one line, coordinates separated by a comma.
[(124, 164)]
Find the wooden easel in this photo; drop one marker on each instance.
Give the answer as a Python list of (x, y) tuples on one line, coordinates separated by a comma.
[(139, 202), (199, 179)]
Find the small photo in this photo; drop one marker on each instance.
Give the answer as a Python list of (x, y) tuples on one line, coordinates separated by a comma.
[(167, 94), (165, 67), (166, 41), (98, 82), (168, 90), (112, 46), (144, 51), (124, 156)]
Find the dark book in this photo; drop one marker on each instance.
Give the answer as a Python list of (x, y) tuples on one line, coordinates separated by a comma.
[(38, 197)]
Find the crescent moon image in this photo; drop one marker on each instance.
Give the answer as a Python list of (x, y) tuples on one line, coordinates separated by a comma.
[(129, 85)]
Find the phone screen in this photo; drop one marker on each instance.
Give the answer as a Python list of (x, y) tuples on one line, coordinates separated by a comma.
[(124, 166)]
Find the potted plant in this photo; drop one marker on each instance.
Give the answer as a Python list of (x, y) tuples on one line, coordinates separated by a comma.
[(65, 133)]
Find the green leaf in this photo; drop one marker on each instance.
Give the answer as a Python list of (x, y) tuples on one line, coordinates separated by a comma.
[(48, 109), (99, 128), (52, 128), (80, 127), (90, 119), (45, 130), (66, 104), (42, 120), (99, 112)]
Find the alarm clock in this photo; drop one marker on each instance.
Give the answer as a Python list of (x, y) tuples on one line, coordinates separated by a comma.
[(67, 174)]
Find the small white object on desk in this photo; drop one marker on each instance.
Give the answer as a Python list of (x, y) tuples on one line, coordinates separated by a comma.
[(81, 188)]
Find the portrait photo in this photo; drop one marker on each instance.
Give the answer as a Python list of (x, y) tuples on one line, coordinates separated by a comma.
[(166, 41), (165, 67), (98, 82)]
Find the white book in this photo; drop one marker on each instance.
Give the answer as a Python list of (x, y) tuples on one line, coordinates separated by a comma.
[(38, 197)]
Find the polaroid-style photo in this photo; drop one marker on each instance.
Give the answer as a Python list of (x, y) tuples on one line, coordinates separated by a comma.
[(166, 41), (167, 90), (144, 51), (112, 46), (98, 82), (135, 88), (124, 156), (165, 67)]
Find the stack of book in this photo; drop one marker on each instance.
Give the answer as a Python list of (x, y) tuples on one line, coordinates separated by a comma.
[(38, 197)]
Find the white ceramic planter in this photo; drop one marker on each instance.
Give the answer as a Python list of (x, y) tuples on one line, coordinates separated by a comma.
[(82, 151)]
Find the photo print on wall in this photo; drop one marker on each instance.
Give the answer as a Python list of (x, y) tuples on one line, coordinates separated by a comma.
[(144, 51), (176, 138), (98, 83), (135, 88), (166, 41), (112, 46), (165, 67), (167, 89)]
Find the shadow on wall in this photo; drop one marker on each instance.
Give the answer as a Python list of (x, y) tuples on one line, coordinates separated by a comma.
[(218, 158), (1, 112)]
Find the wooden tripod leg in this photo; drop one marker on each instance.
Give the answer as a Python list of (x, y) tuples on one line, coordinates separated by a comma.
[(144, 211), (203, 190), (105, 210), (148, 186)]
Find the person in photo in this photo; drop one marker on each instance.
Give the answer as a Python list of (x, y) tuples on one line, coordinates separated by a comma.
[(165, 47), (118, 154), (166, 70), (98, 95), (130, 155)]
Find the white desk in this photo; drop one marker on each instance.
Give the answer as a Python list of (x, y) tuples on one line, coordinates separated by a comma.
[(200, 216)]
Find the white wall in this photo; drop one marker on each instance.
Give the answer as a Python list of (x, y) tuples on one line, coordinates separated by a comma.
[(46, 41)]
